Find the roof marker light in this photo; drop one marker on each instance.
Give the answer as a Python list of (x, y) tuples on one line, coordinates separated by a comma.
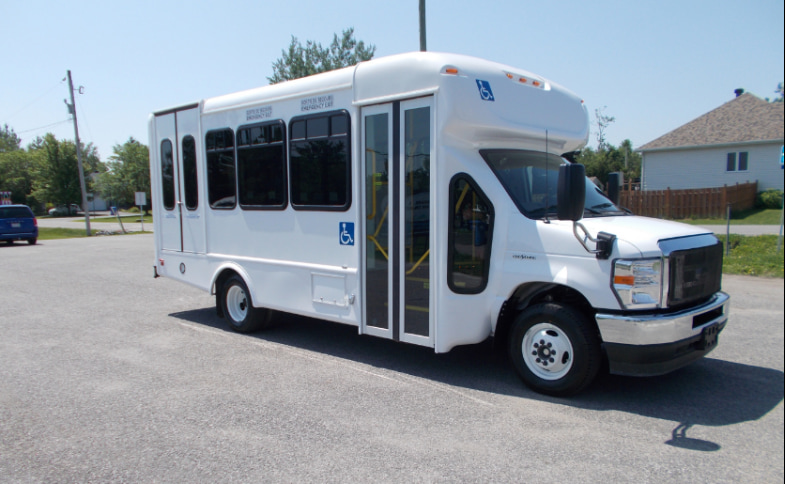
[(522, 80), (536, 83), (451, 70), (509, 76)]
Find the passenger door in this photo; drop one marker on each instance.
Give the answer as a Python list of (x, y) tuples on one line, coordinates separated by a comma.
[(180, 209), (398, 294)]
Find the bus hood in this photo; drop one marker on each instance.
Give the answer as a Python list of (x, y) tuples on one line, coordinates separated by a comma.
[(642, 232)]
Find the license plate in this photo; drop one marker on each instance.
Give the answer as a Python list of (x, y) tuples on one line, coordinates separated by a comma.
[(15, 225), (709, 337)]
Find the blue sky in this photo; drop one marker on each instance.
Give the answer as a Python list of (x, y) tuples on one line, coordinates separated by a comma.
[(653, 65)]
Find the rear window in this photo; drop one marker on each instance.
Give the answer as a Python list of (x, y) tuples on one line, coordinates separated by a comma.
[(15, 212)]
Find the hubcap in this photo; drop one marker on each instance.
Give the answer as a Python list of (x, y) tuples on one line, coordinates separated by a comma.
[(236, 303), (547, 351)]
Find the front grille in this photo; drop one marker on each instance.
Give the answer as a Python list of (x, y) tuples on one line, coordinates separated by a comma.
[(695, 274)]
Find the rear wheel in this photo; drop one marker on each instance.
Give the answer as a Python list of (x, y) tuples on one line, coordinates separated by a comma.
[(32, 241), (238, 309), (554, 349)]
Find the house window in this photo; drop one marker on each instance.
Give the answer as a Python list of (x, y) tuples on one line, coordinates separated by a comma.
[(743, 158), (743, 161)]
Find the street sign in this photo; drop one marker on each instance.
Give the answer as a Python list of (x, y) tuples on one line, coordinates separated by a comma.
[(141, 199)]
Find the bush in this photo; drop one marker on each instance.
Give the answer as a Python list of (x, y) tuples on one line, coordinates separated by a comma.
[(771, 198)]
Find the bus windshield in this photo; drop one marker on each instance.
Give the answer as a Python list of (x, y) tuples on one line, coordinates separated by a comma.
[(531, 179)]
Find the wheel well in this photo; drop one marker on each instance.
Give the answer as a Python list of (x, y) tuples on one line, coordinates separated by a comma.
[(534, 293), (218, 284)]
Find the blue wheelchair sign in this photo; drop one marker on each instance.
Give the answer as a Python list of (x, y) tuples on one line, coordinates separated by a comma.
[(346, 233), (486, 94)]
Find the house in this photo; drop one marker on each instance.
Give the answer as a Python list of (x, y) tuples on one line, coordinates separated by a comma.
[(740, 141)]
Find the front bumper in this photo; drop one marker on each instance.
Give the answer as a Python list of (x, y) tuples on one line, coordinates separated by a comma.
[(654, 344)]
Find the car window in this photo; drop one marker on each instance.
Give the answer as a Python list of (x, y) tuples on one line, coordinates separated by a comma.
[(15, 212)]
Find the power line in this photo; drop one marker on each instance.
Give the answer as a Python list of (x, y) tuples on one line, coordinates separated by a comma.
[(36, 99), (45, 127)]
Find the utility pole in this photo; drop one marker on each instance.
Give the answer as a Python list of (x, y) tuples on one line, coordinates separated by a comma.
[(422, 26), (72, 110)]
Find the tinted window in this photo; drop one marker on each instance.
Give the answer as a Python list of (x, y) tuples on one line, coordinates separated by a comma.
[(320, 162), (261, 165), (221, 186), (167, 174), (189, 173), (531, 178), (471, 228), (15, 212)]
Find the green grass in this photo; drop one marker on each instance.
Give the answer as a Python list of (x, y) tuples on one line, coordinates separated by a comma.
[(753, 256), (755, 216), (148, 219), (52, 233)]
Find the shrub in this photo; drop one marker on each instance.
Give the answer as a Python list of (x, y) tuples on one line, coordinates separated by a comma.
[(771, 198)]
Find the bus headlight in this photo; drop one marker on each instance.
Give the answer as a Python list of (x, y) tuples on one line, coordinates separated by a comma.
[(638, 283)]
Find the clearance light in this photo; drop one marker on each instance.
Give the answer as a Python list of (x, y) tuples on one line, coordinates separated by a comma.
[(509, 76), (536, 83), (523, 80), (451, 70)]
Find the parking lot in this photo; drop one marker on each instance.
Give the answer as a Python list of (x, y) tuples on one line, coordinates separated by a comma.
[(110, 375)]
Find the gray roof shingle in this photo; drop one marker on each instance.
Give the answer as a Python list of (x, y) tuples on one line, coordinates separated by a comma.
[(742, 119)]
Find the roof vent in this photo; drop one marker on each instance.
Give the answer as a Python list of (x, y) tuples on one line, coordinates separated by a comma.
[(739, 92)]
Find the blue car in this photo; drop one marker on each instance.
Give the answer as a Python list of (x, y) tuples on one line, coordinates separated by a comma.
[(17, 222)]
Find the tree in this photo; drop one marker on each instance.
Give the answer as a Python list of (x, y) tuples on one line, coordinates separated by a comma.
[(301, 61), (780, 97), (58, 174), (9, 141), (18, 169), (603, 121), (128, 172), (612, 159)]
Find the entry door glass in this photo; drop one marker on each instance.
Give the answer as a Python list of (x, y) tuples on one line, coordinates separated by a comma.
[(377, 220), (416, 220)]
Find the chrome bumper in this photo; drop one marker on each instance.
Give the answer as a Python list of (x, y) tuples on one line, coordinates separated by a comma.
[(657, 329)]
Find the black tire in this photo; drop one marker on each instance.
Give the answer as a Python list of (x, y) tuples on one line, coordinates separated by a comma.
[(32, 241), (554, 349), (238, 308)]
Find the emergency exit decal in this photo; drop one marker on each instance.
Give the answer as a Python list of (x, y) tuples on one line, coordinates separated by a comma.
[(485, 90), (346, 233)]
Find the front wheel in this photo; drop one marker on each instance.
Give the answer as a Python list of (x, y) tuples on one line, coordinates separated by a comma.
[(238, 310), (554, 349)]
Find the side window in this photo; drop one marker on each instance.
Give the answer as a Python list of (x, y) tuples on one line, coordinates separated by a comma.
[(167, 174), (261, 166), (469, 237), (320, 163), (221, 185), (189, 173)]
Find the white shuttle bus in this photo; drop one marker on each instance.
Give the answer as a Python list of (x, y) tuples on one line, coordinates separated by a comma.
[(430, 199)]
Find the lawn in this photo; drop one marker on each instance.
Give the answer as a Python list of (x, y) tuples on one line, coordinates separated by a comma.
[(52, 233), (755, 216), (753, 256)]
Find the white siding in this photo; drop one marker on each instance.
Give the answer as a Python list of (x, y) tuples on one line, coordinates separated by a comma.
[(706, 168)]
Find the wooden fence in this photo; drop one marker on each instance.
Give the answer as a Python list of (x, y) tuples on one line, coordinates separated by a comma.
[(696, 203)]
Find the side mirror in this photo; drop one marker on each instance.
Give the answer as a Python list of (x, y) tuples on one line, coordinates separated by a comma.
[(571, 192), (615, 181)]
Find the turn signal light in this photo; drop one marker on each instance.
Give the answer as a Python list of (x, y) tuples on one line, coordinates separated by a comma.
[(624, 280)]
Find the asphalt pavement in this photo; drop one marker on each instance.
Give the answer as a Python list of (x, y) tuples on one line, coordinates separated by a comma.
[(110, 375)]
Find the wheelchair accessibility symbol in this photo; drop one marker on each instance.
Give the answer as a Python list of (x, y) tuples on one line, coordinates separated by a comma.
[(346, 233), (485, 90)]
